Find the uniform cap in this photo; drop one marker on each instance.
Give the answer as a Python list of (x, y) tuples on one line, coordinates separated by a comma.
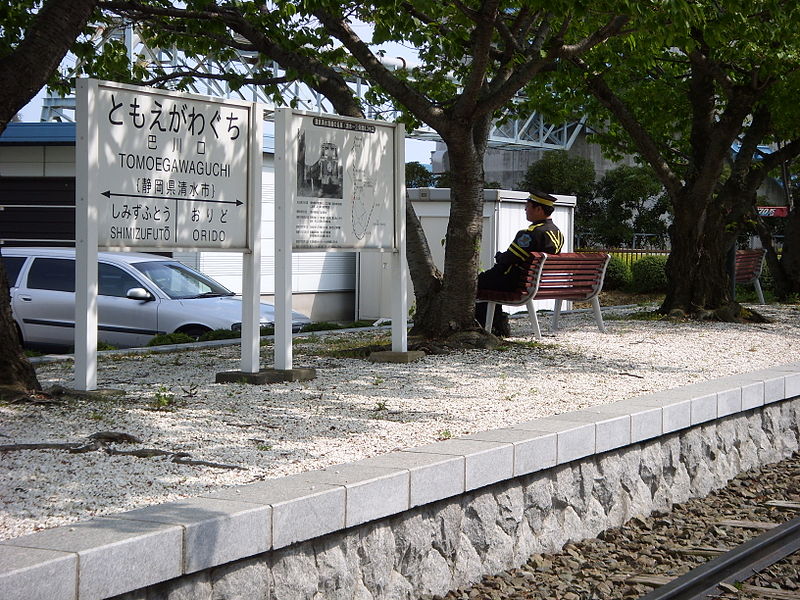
[(543, 198)]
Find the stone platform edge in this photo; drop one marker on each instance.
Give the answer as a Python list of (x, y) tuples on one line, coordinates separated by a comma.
[(112, 555)]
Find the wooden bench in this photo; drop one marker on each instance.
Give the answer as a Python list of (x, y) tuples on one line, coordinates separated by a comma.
[(567, 276), (749, 264)]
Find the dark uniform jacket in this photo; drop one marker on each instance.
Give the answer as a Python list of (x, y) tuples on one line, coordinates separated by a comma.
[(511, 265)]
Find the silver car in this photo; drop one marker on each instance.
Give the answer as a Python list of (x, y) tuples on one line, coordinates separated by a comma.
[(139, 296)]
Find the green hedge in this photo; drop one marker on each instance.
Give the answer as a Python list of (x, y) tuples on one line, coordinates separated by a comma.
[(648, 274), (618, 274)]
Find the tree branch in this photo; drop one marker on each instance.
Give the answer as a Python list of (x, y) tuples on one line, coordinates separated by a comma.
[(418, 104), (646, 144), (52, 32), (194, 73)]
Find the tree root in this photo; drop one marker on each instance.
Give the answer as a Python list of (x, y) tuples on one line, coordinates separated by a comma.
[(102, 439), (460, 340), (729, 313)]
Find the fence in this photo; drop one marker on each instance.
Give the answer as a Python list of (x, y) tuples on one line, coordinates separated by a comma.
[(627, 255)]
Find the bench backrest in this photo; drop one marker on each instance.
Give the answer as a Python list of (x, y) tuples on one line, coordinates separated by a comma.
[(528, 284), (749, 264), (572, 276)]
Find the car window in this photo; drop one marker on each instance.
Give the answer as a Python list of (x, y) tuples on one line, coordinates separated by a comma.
[(13, 265), (179, 281), (52, 274), (113, 281)]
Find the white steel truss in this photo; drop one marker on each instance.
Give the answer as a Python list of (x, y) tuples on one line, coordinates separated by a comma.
[(531, 131)]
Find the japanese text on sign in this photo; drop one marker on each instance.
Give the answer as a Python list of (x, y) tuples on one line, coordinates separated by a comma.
[(172, 168)]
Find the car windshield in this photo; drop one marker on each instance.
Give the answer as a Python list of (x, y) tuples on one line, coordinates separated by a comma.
[(179, 281)]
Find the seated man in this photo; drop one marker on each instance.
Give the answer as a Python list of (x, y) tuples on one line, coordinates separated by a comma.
[(510, 266)]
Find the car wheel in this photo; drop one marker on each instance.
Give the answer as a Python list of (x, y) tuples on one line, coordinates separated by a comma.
[(193, 331)]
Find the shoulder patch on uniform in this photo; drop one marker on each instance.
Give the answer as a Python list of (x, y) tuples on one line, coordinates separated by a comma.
[(524, 240)]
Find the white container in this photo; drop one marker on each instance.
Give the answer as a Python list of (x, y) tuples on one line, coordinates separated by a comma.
[(503, 217)]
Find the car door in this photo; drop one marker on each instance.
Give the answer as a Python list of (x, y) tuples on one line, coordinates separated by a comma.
[(44, 302), (122, 321)]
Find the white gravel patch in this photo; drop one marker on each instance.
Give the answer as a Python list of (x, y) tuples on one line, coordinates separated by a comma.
[(352, 410)]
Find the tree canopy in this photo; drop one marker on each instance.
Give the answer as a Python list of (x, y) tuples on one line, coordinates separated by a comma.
[(473, 61), (697, 90)]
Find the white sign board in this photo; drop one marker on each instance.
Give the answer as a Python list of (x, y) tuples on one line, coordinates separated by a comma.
[(339, 184), (172, 170), (158, 170), (344, 188)]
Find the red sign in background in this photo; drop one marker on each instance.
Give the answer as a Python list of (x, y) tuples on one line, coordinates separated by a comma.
[(773, 211)]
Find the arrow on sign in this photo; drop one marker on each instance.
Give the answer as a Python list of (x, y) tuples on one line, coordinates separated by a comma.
[(109, 193)]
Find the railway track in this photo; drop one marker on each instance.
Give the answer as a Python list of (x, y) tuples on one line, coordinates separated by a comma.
[(721, 575), (677, 555)]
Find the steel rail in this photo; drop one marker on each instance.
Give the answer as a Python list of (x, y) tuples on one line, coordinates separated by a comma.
[(731, 567)]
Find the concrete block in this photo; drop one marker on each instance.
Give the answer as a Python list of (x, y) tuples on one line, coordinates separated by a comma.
[(792, 385), (574, 439), (266, 376), (214, 531), (388, 356), (484, 462), (676, 407), (300, 510), (752, 388), (773, 380), (33, 574), (753, 394), (729, 401), (645, 422), (432, 476), (676, 416), (704, 408), (115, 556), (533, 450), (728, 391), (371, 492)]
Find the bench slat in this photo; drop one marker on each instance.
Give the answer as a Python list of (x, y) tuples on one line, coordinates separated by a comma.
[(749, 264)]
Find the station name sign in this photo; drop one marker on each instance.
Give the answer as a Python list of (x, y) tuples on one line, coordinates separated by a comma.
[(169, 170)]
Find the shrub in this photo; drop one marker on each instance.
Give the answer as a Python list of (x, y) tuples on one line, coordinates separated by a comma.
[(165, 339), (219, 334), (648, 274), (618, 274), (766, 278)]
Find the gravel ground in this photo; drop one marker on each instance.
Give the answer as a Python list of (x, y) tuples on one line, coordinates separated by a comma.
[(352, 410)]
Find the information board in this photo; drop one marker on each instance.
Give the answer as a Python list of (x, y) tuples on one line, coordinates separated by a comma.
[(343, 190), (170, 170)]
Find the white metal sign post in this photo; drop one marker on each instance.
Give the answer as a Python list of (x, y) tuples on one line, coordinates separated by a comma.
[(339, 185), (159, 170)]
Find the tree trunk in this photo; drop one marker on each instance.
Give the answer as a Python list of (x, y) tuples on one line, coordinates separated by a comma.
[(448, 306), (790, 259), (697, 276), (17, 376), (781, 285), (23, 72), (427, 279)]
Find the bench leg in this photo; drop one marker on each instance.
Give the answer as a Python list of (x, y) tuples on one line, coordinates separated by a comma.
[(598, 317), (489, 316), (759, 293), (534, 320), (556, 314)]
